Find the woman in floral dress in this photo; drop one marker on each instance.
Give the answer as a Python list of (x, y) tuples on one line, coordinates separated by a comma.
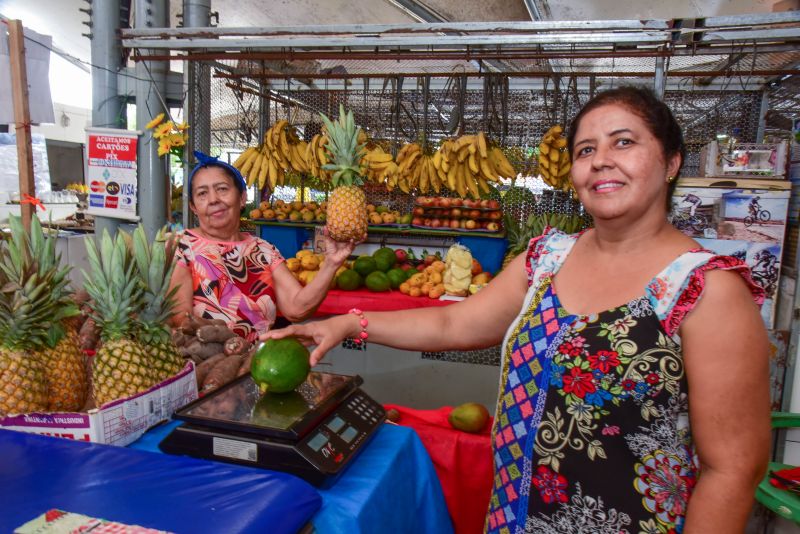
[(222, 273), (633, 395)]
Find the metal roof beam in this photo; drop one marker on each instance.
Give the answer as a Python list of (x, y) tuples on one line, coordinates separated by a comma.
[(480, 41)]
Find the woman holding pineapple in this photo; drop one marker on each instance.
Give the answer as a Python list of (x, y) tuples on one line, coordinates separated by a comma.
[(627, 402), (222, 273)]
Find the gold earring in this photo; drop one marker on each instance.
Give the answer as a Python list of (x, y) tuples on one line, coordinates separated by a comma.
[(670, 178)]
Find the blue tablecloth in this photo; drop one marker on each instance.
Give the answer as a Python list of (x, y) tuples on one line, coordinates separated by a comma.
[(390, 487), (173, 493)]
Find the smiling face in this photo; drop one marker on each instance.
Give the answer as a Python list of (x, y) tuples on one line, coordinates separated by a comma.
[(619, 168), (216, 201)]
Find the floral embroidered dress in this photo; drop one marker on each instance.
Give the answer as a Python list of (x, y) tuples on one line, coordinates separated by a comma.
[(232, 281), (591, 433)]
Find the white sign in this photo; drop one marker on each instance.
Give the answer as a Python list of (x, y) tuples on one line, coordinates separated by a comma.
[(111, 173)]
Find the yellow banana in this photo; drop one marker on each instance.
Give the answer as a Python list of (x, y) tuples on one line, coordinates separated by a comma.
[(473, 164), (244, 156), (482, 149)]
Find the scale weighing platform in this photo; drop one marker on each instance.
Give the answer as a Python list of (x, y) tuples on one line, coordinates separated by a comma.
[(313, 432)]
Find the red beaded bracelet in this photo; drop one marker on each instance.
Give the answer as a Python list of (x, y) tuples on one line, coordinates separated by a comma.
[(362, 336)]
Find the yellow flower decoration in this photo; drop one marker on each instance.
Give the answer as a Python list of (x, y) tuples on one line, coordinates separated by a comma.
[(182, 127), (163, 129), (163, 147), (155, 122), (176, 139)]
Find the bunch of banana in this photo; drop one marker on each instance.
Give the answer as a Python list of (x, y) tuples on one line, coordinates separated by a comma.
[(317, 156), (286, 147), (467, 164), (259, 167), (554, 159), (378, 165), (567, 223), (407, 176)]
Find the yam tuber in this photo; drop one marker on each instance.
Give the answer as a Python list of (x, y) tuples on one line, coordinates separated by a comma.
[(192, 322), (214, 334), (202, 369), (236, 345), (179, 339), (222, 373), (245, 367), (89, 335), (198, 351)]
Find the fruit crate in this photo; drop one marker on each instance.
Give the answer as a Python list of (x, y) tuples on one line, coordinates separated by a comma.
[(487, 248), (119, 422)]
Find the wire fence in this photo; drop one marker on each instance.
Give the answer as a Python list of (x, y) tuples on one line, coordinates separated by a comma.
[(514, 112)]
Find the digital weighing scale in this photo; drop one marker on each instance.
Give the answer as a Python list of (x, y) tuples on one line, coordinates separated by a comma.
[(313, 432)]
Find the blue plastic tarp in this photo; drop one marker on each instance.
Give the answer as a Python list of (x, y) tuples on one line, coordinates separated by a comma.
[(173, 493)]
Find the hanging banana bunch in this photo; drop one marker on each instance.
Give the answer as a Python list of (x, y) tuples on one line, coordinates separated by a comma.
[(258, 167), (378, 165), (286, 147), (554, 159), (317, 156), (466, 165)]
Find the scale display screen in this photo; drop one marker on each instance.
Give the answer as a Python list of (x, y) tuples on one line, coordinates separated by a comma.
[(349, 434), (336, 424), (243, 403), (318, 441)]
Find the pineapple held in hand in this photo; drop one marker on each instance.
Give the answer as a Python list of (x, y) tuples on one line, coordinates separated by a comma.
[(347, 204)]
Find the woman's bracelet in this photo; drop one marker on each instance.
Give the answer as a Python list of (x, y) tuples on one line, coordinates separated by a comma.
[(362, 336)]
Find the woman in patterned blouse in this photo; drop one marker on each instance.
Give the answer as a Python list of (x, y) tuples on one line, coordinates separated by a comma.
[(634, 398), (222, 273)]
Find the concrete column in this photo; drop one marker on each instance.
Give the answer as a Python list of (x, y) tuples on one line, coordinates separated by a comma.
[(150, 90), (197, 107), (108, 108)]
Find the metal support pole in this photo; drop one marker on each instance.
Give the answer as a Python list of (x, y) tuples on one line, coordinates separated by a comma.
[(660, 79), (150, 87), (197, 109), (762, 116), (108, 108)]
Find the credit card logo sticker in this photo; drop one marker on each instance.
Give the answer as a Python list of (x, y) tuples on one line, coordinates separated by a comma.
[(112, 202), (112, 188), (96, 201), (97, 186)]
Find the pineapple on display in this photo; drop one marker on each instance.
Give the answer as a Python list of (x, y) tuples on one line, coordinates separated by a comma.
[(32, 308), (121, 366), (154, 268), (347, 204)]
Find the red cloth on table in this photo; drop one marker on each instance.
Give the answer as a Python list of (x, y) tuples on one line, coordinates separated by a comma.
[(463, 463), (339, 301)]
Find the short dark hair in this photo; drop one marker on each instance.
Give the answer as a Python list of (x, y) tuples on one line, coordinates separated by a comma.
[(656, 115)]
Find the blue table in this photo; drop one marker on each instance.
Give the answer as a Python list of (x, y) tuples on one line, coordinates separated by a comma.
[(390, 487), (178, 494)]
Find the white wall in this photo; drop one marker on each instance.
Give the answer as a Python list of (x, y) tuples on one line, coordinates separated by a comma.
[(70, 125)]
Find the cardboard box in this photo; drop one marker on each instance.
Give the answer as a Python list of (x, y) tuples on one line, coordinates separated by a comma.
[(120, 422)]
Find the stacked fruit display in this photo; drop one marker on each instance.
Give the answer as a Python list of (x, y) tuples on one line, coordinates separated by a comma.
[(42, 365), (457, 214), (297, 211), (305, 265), (384, 216)]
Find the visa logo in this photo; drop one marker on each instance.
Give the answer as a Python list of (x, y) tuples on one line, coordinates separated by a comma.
[(128, 189)]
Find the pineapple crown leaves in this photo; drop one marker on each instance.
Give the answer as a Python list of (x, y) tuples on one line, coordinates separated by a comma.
[(33, 287), (345, 149), (154, 269), (113, 285)]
